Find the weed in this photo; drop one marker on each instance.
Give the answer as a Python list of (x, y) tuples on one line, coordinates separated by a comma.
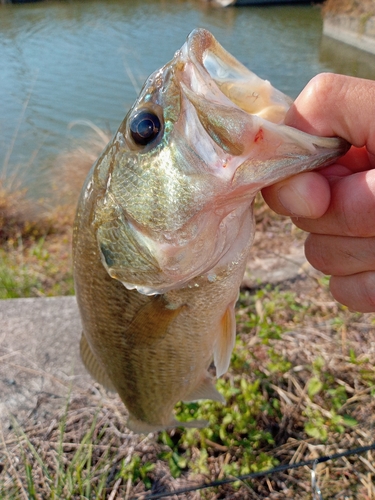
[(353, 8), (39, 269), (135, 471)]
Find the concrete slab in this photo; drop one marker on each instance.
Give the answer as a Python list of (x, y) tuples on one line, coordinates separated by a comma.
[(357, 31), (39, 355), (277, 268)]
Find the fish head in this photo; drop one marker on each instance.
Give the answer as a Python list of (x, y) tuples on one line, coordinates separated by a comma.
[(178, 178)]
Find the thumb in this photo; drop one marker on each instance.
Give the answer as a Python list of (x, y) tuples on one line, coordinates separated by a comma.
[(304, 195)]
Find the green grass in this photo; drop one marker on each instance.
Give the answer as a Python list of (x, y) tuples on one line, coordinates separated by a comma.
[(73, 479), (35, 246), (35, 270)]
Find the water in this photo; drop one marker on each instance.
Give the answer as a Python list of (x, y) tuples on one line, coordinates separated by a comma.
[(63, 62)]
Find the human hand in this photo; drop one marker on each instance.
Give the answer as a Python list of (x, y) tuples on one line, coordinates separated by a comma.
[(337, 204)]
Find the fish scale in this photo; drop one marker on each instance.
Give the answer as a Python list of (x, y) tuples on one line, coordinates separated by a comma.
[(165, 223)]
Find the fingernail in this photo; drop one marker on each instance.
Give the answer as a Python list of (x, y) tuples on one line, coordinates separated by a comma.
[(294, 201)]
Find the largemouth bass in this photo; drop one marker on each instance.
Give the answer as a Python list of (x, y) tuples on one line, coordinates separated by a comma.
[(165, 223)]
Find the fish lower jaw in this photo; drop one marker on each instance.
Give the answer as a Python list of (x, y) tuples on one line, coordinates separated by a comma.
[(188, 265), (205, 275)]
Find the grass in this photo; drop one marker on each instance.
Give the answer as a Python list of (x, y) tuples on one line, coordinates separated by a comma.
[(35, 236), (301, 385), (34, 255), (36, 267)]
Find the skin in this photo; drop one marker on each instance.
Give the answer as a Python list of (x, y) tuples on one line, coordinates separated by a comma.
[(336, 205)]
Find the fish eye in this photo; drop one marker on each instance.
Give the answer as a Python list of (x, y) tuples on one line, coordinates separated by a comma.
[(144, 127)]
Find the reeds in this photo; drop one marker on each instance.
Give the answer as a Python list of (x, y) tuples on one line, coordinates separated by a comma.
[(35, 235)]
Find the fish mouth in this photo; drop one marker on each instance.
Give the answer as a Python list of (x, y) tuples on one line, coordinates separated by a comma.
[(244, 117), (236, 82)]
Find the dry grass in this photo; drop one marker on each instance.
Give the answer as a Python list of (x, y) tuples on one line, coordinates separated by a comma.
[(21, 215), (18, 216), (35, 236), (70, 171)]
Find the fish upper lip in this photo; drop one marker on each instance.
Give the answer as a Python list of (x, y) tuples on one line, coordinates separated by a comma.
[(195, 46)]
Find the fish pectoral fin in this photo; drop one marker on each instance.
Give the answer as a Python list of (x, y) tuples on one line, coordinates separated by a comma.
[(93, 365), (151, 322), (205, 390), (225, 342)]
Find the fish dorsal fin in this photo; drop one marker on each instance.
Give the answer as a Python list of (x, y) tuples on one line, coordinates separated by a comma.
[(93, 365), (151, 322), (205, 390), (225, 341)]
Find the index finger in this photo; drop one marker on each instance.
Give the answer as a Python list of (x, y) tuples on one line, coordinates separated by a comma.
[(329, 105), (343, 106)]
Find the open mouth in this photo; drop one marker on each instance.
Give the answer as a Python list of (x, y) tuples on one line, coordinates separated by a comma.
[(238, 84)]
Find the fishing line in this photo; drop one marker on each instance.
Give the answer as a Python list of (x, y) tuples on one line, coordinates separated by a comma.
[(280, 468)]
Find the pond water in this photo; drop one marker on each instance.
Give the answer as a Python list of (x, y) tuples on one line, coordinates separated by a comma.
[(86, 60)]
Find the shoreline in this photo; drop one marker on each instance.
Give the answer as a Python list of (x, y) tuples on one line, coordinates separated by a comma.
[(357, 31)]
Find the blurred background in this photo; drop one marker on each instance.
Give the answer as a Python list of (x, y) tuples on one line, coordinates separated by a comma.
[(64, 62)]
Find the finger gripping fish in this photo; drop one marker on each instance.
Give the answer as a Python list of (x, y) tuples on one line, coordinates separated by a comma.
[(165, 223)]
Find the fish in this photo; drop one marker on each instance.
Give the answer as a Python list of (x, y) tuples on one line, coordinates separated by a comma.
[(164, 226)]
